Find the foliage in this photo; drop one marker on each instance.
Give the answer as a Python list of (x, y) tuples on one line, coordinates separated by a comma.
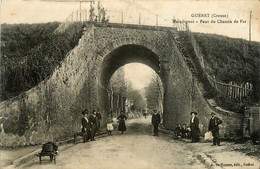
[(136, 97), (117, 88), (230, 59), (227, 59), (91, 13), (153, 93), (123, 88), (31, 52), (101, 14)]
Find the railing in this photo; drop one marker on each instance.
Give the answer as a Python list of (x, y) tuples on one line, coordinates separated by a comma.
[(126, 18), (232, 90)]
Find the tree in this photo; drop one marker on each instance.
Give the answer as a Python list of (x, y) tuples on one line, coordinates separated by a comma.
[(91, 13), (154, 93), (136, 98)]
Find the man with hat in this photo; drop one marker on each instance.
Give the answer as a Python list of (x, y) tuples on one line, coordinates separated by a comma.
[(93, 125), (194, 126), (85, 126), (156, 120), (213, 127)]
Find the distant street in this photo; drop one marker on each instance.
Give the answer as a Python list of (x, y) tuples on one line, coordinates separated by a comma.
[(137, 149)]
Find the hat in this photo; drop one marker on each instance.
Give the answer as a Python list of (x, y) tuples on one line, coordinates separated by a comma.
[(212, 113), (193, 112)]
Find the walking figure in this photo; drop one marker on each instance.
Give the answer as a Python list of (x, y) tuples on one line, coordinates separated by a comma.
[(122, 119), (110, 127), (99, 117), (156, 120), (194, 126), (85, 126), (213, 127)]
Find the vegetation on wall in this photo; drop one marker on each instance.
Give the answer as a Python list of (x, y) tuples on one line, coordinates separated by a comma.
[(230, 59), (31, 52), (227, 59)]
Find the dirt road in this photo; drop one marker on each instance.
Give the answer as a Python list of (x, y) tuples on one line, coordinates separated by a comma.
[(136, 149)]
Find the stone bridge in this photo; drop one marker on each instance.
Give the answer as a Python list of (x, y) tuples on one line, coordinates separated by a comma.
[(52, 110)]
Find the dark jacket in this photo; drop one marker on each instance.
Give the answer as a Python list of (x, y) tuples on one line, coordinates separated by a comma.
[(156, 119), (195, 124), (122, 126), (99, 117), (213, 124), (85, 124), (93, 121)]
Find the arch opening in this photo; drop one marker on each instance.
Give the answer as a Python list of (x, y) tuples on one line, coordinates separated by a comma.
[(119, 57), (135, 89)]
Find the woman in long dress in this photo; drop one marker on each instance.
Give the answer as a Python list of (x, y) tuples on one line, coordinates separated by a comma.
[(122, 119), (194, 125)]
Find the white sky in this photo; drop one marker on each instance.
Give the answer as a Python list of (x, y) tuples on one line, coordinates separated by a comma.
[(139, 74), (18, 11)]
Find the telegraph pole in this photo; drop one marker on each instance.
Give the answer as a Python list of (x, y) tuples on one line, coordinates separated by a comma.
[(250, 26), (80, 10)]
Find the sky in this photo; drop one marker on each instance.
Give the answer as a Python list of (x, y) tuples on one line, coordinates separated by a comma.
[(199, 12), (35, 11), (139, 74)]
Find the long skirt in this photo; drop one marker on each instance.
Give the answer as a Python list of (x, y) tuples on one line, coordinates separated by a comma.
[(122, 126), (195, 135)]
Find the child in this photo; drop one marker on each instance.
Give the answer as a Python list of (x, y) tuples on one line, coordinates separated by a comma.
[(110, 127)]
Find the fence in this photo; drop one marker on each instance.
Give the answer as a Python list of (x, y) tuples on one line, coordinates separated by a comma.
[(126, 18), (232, 90)]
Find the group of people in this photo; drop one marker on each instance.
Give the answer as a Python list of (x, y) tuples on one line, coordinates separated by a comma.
[(182, 131), (193, 132), (121, 127), (213, 127), (90, 125)]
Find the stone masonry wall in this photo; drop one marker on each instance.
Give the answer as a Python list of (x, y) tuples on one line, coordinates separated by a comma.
[(51, 111)]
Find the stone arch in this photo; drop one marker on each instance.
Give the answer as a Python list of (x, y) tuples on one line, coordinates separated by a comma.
[(105, 49), (134, 50)]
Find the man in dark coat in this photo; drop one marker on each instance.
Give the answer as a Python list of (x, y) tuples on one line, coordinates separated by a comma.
[(213, 127), (99, 117), (85, 126), (156, 120), (194, 126), (93, 124)]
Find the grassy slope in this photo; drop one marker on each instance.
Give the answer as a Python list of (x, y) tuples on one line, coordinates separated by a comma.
[(30, 53), (228, 59)]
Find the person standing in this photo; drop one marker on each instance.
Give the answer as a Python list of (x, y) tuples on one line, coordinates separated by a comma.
[(156, 120), (93, 124), (213, 127), (122, 119), (85, 126), (110, 127), (194, 126), (99, 117)]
